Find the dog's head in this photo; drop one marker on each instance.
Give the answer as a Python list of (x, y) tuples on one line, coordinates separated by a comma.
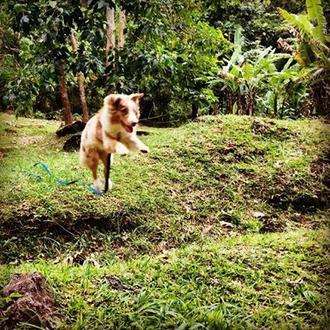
[(124, 109)]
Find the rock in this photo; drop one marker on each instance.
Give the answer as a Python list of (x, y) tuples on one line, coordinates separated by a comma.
[(73, 143), (77, 126), (258, 214)]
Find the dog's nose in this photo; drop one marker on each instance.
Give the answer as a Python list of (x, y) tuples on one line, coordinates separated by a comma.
[(134, 123)]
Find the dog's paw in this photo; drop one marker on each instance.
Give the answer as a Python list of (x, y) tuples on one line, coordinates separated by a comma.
[(121, 149), (144, 149), (98, 185)]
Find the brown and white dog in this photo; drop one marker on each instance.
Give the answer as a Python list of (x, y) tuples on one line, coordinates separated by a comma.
[(111, 130)]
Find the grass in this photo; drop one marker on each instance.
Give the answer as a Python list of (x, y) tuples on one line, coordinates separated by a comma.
[(223, 225), (245, 282)]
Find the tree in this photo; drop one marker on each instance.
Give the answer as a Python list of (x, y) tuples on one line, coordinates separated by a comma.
[(122, 26), (110, 33), (80, 79), (67, 113), (169, 53), (49, 25)]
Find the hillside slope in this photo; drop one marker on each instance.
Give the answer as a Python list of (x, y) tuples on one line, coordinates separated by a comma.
[(205, 180), (223, 225)]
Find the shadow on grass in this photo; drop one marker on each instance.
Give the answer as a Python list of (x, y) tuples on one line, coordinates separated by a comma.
[(28, 238)]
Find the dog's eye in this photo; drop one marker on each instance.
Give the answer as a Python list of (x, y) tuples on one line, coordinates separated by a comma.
[(124, 110)]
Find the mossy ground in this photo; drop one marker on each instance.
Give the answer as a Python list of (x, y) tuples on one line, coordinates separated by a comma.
[(185, 236)]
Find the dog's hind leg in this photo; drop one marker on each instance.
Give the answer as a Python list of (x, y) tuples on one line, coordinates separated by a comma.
[(107, 161), (91, 160)]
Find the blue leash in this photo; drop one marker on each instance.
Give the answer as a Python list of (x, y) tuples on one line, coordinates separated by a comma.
[(62, 182)]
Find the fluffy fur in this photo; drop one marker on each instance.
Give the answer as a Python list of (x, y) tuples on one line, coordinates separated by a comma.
[(111, 130)]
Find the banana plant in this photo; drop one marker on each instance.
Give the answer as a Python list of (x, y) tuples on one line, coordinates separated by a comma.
[(243, 77), (282, 85), (313, 43), (313, 50)]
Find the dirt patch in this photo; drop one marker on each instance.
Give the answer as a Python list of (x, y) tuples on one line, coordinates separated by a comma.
[(271, 224), (116, 284), (142, 133), (29, 233), (26, 224), (282, 191), (10, 130), (321, 168), (232, 153), (270, 129), (281, 200), (2, 155), (29, 299), (308, 203), (302, 202), (3, 152), (29, 140)]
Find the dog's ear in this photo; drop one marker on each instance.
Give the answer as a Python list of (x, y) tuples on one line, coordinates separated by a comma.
[(136, 97), (113, 101)]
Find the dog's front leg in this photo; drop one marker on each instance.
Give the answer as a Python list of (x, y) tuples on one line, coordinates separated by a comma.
[(134, 144), (109, 145)]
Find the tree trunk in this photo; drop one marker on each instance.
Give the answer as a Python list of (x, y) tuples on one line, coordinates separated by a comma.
[(194, 111), (122, 26), (215, 109), (321, 97), (80, 78), (229, 102), (251, 103), (239, 104), (67, 114), (110, 33), (275, 104)]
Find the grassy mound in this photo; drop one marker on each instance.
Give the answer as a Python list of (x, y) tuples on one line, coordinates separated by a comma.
[(220, 176), (221, 226)]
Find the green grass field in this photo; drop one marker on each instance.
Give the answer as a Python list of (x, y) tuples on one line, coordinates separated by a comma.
[(222, 226)]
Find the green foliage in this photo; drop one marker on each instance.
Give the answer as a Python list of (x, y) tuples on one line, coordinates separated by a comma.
[(241, 282), (170, 60), (173, 53), (258, 18), (312, 50), (312, 46), (254, 81)]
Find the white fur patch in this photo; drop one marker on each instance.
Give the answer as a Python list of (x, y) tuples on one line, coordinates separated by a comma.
[(110, 184), (121, 149), (98, 185)]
